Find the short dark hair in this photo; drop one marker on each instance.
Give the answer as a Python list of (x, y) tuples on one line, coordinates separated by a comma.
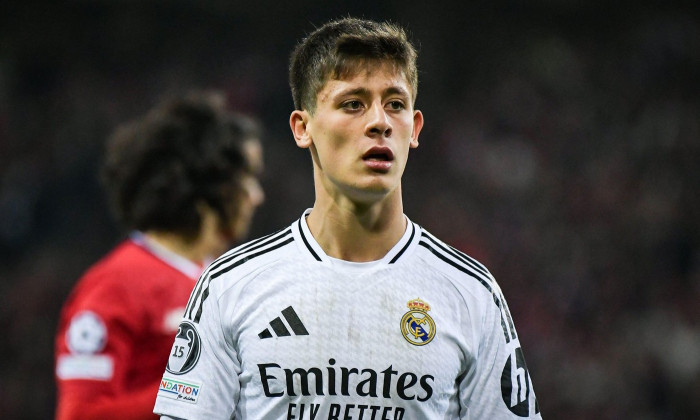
[(336, 48), (185, 151)]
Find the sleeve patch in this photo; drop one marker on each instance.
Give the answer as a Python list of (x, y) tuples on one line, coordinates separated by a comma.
[(516, 386), (97, 367), (86, 334), (186, 349), (179, 390)]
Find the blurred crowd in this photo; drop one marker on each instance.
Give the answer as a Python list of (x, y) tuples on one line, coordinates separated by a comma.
[(561, 148)]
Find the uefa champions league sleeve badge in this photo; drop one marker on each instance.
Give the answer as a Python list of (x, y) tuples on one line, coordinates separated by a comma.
[(185, 351), (87, 333), (417, 327)]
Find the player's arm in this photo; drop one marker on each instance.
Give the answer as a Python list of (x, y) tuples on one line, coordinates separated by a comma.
[(498, 385), (94, 344), (201, 378)]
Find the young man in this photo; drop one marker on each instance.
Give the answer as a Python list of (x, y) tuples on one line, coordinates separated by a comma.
[(184, 179), (353, 311)]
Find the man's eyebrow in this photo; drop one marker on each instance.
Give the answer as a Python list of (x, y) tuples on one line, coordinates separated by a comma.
[(360, 91), (396, 90)]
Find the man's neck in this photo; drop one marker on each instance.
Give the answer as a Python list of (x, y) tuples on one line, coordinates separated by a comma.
[(357, 232), (177, 244)]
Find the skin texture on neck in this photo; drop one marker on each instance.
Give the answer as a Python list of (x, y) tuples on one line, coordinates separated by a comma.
[(357, 232), (207, 244)]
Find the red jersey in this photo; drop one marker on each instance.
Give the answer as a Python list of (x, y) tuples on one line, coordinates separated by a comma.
[(116, 331)]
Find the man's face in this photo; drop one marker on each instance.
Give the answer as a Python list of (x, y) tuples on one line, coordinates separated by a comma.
[(218, 234), (252, 194), (361, 132), (249, 195)]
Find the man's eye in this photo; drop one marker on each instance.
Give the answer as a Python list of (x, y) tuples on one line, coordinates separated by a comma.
[(396, 105), (352, 105)]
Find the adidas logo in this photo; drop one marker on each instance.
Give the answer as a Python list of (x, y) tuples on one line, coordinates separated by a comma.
[(279, 327)]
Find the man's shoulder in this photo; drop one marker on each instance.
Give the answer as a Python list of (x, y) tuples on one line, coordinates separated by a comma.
[(126, 264), (277, 237), (121, 257), (113, 284), (124, 273), (236, 268), (254, 254), (451, 260)]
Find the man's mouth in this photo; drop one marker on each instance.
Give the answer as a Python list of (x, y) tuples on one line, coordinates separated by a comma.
[(379, 159), (383, 154)]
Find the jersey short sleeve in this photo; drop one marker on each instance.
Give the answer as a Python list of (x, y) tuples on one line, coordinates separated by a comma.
[(201, 377), (499, 385), (94, 341), (495, 383), (115, 332)]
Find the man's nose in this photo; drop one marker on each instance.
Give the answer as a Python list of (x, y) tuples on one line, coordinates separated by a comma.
[(378, 122)]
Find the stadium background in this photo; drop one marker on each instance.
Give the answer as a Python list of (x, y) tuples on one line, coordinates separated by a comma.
[(561, 148)]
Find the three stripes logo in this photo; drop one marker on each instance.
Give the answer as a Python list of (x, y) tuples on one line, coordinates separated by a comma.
[(280, 328)]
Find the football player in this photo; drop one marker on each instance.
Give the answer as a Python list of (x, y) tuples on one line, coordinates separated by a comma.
[(184, 179), (353, 311)]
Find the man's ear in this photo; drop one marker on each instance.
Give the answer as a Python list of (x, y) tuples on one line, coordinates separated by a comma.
[(417, 126), (298, 123)]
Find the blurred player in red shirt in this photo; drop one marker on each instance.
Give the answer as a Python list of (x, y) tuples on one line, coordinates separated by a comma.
[(183, 178)]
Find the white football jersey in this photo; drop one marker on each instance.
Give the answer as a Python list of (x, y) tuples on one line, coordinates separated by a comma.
[(276, 329)]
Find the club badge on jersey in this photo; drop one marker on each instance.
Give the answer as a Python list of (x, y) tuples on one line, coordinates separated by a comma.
[(417, 327)]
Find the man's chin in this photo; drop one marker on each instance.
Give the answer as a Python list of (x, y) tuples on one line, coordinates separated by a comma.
[(370, 195)]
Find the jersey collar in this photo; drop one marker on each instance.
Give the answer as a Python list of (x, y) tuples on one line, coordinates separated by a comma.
[(178, 262), (403, 247)]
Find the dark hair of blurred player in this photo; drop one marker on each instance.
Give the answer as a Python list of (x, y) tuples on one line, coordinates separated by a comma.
[(183, 179)]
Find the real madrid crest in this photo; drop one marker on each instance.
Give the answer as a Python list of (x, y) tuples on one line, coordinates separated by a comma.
[(417, 327)]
